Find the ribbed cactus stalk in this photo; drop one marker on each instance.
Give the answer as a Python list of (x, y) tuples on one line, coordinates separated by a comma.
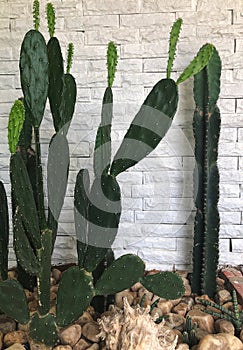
[(206, 127), (4, 233)]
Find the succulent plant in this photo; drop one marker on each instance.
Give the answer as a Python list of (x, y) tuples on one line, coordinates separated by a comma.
[(206, 127)]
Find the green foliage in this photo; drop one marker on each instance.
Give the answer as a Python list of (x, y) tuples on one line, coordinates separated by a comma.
[(51, 18), (36, 14), (174, 36), (198, 63), (235, 316), (4, 233), (189, 333), (15, 124), (70, 57), (43, 329), (111, 62), (206, 127)]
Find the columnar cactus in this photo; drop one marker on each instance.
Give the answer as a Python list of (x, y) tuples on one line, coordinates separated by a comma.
[(4, 233), (206, 127)]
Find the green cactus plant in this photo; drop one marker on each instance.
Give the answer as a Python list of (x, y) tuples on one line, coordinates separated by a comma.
[(189, 333), (4, 233), (206, 126), (235, 316)]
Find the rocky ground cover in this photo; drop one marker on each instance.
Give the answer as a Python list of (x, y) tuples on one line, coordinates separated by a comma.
[(139, 318)]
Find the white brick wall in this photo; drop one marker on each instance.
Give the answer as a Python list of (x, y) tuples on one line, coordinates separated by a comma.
[(157, 220)]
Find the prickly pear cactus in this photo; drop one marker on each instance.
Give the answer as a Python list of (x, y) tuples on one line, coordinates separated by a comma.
[(4, 233), (15, 124)]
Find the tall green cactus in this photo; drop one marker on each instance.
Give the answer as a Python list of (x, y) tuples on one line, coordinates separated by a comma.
[(4, 233), (206, 127)]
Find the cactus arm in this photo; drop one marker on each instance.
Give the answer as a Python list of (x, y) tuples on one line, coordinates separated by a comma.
[(111, 62), (121, 274), (13, 301), (148, 127), (166, 285), (43, 329), (102, 152), (75, 291), (34, 74), (51, 19), (36, 14), (23, 197), (198, 63), (4, 233), (43, 280), (69, 57), (67, 106), (25, 138), (39, 182), (56, 79), (174, 36), (24, 252), (15, 125)]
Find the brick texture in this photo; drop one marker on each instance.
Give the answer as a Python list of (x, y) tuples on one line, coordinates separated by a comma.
[(157, 194)]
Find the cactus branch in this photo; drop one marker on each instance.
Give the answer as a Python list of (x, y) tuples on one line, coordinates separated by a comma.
[(69, 57), (174, 36), (36, 14), (111, 62), (51, 18)]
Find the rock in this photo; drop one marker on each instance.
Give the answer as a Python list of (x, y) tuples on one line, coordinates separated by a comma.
[(15, 337), (228, 305), (54, 289), (165, 306), (220, 282), (156, 311), (200, 333), (167, 336), (136, 287), (182, 346), (23, 327), (33, 305), (38, 346), (1, 340), (188, 290), (189, 301), (220, 341), (56, 274), (90, 331), (7, 324), (224, 326), (180, 309), (12, 274), (241, 335), (86, 317), (81, 345), (175, 321), (28, 294), (62, 347), (145, 295), (204, 297), (16, 346), (93, 347), (124, 294), (70, 335), (204, 321), (223, 296)]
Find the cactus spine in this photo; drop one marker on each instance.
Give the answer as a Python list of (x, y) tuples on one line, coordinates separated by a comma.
[(206, 126)]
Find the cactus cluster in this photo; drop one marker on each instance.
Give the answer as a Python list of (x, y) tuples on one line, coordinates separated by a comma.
[(206, 127), (97, 205)]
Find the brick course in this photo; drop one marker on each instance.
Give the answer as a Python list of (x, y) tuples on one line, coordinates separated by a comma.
[(158, 228)]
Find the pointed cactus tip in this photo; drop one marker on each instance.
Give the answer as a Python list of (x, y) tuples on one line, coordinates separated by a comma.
[(111, 62), (36, 14), (70, 52), (51, 18)]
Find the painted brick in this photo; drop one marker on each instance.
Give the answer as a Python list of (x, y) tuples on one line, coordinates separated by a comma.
[(227, 105), (98, 22), (231, 231), (147, 20), (229, 191), (168, 217), (237, 245), (97, 7), (231, 177), (163, 5)]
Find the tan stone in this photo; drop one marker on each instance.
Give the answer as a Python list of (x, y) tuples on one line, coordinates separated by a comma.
[(241, 335), (54, 289), (1, 340), (121, 295), (38, 346), (90, 331), (228, 305), (56, 274), (136, 287), (175, 321), (7, 324), (16, 346), (204, 321), (188, 290), (223, 296), (156, 311), (62, 347), (220, 282), (28, 294), (165, 306), (180, 309), (15, 337), (23, 327), (94, 347), (224, 326), (86, 317), (70, 335), (200, 333), (220, 341), (182, 346), (33, 305), (145, 295), (82, 344)]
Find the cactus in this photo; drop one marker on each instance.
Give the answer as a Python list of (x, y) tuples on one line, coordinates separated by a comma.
[(206, 126), (189, 333), (43, 329), (51, 19), (15, 125), (174, 36), (69, 57), (4, 233), (235, 316)]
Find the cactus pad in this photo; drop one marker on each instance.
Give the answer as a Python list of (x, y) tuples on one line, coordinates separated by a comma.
[(15, 124), (4, 233), (43, 329)]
